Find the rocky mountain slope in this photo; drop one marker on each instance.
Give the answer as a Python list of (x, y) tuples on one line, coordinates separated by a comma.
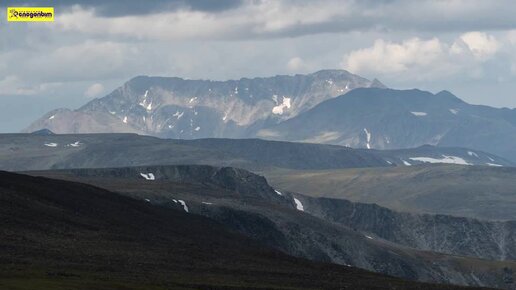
[(180, 108), (393, 119), (493, 240), (482, 192), (64, 235), (290, 223)]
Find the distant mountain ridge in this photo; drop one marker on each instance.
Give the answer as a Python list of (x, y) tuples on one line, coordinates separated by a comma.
[(392, 119), (173, 107), (328, 106)]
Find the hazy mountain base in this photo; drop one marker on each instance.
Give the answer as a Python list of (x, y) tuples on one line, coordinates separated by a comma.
[(247, 204), (44, 151)]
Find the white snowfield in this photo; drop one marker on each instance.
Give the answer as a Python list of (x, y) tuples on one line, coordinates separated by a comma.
[(208, 203), (299, 205), (278, 192), (368, 137), (494, 164), (406, 163), (75, 144), (148, 176), (444, 159), (147, 106), (419, 114), (183, 203), (51, 144), (471, 153), (178, 114), (280, 108), (369, 237), (453, 111)]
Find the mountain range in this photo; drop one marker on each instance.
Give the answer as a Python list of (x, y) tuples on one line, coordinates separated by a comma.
[(180, 108), (329, 106), (287, 182)]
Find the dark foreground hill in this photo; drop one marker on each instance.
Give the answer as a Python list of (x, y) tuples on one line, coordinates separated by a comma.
[(65, 235), (312, 228)]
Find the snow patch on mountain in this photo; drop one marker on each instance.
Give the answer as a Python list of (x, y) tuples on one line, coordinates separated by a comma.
[(183, 203), (280, 108), (178, 114), (446, 159), (368, 138), (148, 176), (278, 192), (471, 153), (51, 144), (494, 164), (419, 114), (147, 106), (453, 111), (299, 205)]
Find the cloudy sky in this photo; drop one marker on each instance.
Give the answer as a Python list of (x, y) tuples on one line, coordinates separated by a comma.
[(465, 46)]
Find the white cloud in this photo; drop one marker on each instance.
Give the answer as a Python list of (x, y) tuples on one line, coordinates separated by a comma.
[(480, 44), (296, 64), (386, 57), (14, 85), (94, 90), (275, 18), (429, 59)]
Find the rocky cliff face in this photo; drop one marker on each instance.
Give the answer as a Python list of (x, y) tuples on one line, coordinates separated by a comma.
[(439, 233)]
